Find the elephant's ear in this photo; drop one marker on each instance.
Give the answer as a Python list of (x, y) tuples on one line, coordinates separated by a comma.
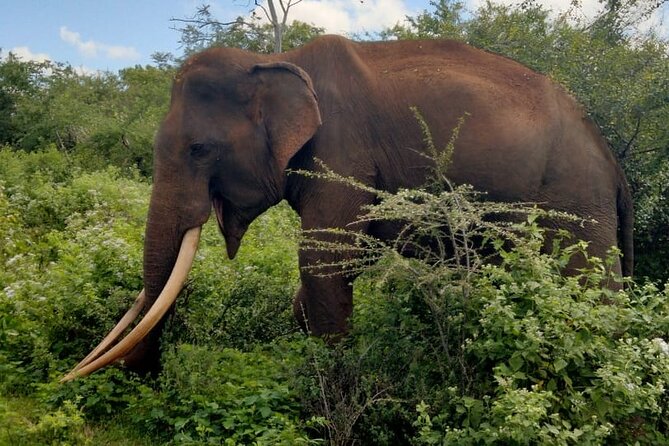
[(288, 107)]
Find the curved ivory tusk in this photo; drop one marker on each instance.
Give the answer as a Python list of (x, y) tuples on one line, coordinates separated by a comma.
[(125, 321), (156, 312)]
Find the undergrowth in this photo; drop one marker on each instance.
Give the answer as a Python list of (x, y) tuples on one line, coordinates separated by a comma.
[(453, 344)]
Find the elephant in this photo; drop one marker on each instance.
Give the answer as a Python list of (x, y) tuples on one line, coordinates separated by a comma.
[(238, 122)]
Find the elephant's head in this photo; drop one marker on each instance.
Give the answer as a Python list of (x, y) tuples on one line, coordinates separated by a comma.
[(232, 127)]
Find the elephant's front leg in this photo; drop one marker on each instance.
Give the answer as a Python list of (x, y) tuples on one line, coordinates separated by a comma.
[(323, 305), (324, 302)]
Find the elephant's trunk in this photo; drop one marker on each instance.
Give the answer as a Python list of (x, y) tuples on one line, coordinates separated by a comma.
[(161, 245), (163, 235)]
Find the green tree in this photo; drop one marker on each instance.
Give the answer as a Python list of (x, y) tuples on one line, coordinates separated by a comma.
[(122, 130), (445, 22), (19, 82), (99, 119)]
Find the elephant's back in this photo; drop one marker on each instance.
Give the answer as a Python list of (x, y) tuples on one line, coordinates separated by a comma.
[(434, 60)]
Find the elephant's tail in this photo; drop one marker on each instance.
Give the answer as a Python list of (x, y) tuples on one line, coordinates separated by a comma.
[(625, 226)]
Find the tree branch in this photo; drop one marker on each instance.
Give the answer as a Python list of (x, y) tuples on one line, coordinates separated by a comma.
[(202, 23), (623, 155), (654, 149), (264, 10)]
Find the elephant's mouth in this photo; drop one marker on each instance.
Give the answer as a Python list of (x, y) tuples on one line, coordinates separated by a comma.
[(231, 222)]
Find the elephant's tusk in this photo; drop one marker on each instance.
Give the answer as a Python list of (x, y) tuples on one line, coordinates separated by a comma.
[(125, 321), (156, 312)]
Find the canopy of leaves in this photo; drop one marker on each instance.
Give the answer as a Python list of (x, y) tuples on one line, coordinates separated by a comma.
[(101, 118)]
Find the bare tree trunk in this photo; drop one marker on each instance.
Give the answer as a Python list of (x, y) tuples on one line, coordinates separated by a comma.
[(277, 25)]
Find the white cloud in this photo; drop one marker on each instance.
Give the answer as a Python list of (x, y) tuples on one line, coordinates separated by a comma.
[(83, 70), (349, 16), (325, 13), (588, 8), (24, 53), (376, 14), (91, 48)]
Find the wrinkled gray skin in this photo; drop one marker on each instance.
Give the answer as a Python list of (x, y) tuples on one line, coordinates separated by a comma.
[(238, 120)]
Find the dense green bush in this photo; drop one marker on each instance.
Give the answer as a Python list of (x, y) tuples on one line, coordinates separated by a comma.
[(30, 426), (213, 396), (71, 260), (441, 352), (204, 395), (71, 265), (509, 353), (519, 355), (98, 120)]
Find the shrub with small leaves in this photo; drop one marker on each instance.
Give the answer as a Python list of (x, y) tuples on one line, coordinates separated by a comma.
[(208, 396), (481, 331), (64, 425)]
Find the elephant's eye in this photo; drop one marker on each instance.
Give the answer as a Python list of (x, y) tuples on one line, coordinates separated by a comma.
[(198, 150)]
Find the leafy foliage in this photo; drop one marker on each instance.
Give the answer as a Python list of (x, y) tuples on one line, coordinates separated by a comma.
[(71, 265), (98, 119), (72, 252), (65, 425), (209, 396)]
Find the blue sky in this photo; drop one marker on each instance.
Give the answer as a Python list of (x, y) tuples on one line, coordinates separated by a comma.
[(104, 34), (112, 34)]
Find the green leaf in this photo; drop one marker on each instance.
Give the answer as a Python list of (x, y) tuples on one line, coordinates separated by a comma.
[(516, 362), (559, 364)]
